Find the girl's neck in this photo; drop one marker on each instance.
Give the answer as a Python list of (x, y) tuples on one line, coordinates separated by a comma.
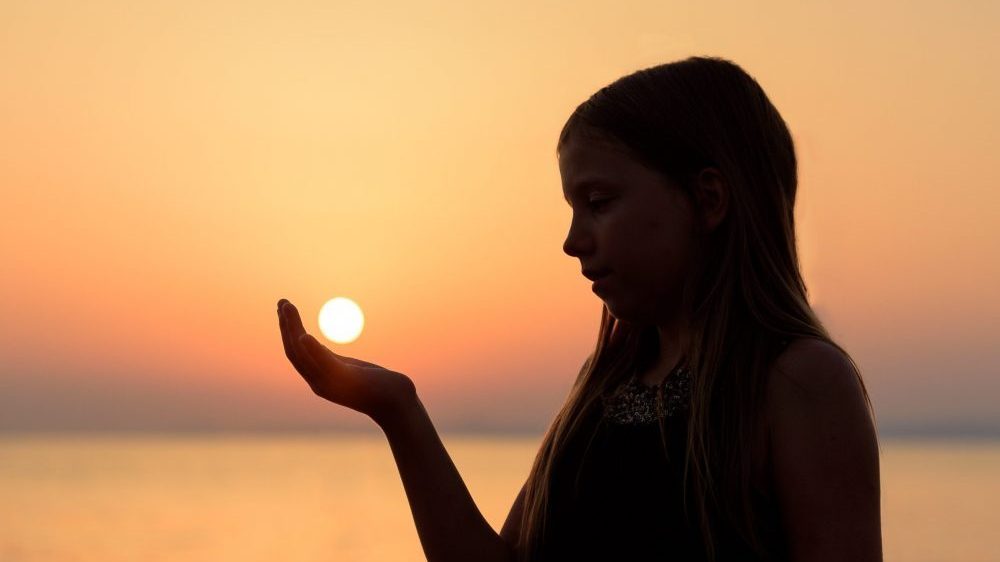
[(665, 360)]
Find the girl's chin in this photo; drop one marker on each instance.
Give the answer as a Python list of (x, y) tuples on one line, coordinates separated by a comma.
[(628, 314), (617, 311)]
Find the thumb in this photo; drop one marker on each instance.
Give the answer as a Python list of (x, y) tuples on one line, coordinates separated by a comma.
[(320, 353), (312, 348), (323, 355), (309, 343)]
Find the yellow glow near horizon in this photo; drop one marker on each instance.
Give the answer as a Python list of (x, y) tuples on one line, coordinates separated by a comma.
[(341, 320)]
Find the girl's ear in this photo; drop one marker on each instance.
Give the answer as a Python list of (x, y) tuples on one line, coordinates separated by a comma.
[(713, 197)]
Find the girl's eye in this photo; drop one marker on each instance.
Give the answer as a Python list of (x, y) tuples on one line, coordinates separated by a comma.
[(598, 204)]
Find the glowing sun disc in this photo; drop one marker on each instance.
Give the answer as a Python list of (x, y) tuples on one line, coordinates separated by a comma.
[(341, 320)]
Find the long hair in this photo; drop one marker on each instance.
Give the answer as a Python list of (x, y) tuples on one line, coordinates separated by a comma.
[(745, 295)]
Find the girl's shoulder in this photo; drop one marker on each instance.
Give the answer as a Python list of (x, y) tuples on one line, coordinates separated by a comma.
[(811, 364), (815, 394)]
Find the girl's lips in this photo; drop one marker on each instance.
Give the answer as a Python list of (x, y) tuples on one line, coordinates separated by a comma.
[(595, 274), (600, 284)]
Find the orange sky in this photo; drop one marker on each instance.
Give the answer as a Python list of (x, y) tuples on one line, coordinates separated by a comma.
[(170, 170)]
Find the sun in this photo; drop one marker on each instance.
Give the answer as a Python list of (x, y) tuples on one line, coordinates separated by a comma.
[(341, 320)]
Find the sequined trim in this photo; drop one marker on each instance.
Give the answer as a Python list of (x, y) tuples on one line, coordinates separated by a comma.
[(635, 403)]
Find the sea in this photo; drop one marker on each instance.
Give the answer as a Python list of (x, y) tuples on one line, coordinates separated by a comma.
[(337, 496)]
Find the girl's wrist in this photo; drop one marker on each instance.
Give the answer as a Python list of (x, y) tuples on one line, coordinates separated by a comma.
[(400, 408)]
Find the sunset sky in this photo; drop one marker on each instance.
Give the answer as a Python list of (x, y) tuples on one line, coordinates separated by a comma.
[(169, 170)]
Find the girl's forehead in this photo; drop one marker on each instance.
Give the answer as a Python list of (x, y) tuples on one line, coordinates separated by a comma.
[(593, 142), (579, 159)]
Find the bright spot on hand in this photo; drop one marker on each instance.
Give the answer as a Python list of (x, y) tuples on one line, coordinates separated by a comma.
[(341, 320)]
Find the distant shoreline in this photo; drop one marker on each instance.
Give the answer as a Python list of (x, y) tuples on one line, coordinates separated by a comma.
[(892, 434)]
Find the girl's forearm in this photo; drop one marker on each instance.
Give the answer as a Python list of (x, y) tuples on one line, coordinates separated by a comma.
[(450, 526)]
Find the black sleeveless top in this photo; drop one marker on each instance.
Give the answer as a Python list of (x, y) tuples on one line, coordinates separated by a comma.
[(626, 504)]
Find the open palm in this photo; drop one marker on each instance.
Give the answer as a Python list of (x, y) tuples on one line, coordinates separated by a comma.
[(356, 384)]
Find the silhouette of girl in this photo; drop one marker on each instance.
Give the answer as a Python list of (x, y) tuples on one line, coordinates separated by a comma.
[(716, 419)]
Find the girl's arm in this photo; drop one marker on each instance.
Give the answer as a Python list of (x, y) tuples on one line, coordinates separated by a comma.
[(825, 456), (512, 526), (449, 524)]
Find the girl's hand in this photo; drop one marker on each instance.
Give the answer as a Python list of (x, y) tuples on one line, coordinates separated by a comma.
[(356, 384)]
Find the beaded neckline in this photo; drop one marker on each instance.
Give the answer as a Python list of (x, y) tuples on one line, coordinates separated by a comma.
[(636, 403)]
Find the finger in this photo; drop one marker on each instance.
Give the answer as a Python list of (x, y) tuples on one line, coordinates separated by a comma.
[(293, 322), (286, 342), (321, 355), (301, 361)]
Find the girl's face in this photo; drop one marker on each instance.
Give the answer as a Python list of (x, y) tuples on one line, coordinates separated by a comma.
[(631, 227)]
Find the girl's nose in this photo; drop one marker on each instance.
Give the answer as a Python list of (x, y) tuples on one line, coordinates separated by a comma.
[(578, 242)]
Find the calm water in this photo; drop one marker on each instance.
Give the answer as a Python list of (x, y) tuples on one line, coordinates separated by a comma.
[(313, 498)]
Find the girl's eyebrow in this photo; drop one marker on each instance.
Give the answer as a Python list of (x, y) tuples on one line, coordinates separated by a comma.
[(589, 183)]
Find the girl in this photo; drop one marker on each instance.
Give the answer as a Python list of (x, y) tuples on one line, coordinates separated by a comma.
[(715, 419)]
